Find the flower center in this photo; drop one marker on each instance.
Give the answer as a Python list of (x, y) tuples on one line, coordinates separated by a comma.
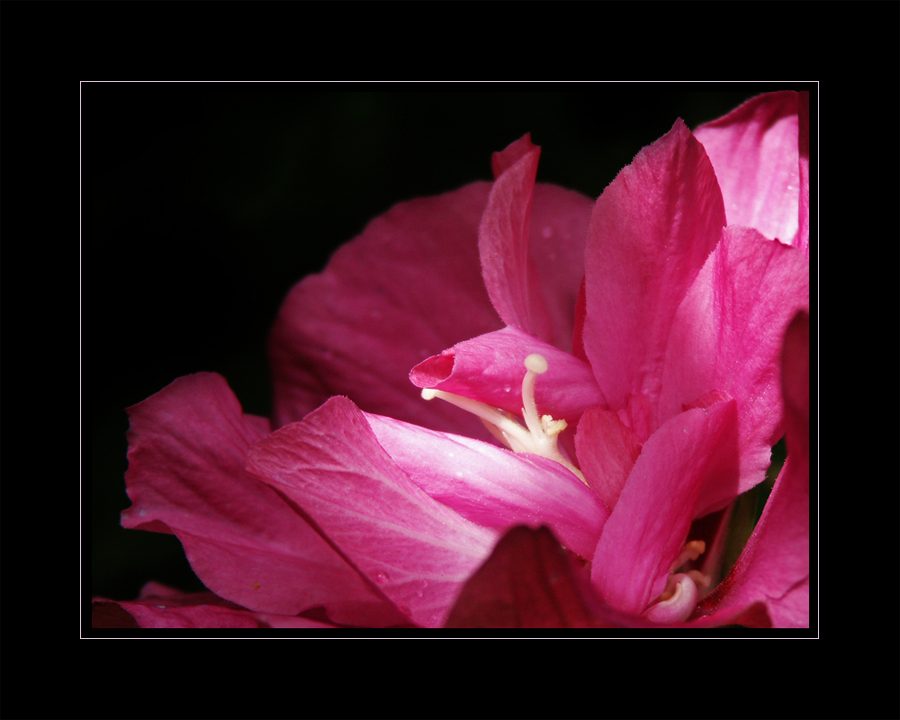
[(538, 436), (679, 599)]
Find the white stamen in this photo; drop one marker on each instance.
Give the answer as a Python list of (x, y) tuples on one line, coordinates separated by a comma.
[(539, 435)]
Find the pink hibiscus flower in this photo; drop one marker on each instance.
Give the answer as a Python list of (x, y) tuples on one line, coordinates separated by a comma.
[(639, 339)]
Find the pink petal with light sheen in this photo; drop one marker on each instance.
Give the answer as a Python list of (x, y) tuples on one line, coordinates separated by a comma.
[(187, 449), (490, 369), (607, 451), (803, 231), (407, 288), (415, 550), (531, 242), (649, 235), (727, 336), (754, 150), (649, 525), (494, 487), (774, 566)]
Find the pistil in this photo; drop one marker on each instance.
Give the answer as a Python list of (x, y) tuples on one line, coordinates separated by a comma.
[(539, 436), (678, 600)]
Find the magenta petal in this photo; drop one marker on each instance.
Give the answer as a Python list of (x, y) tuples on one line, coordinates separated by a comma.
[(774, 566), (727, 336), (528, 582), (407, 288), (494, 487), (649, 235), (163, 607), (754, 150), (415, 550), (490, 368), (607, 451), (187, 449), (648, 527), (531, 242), (803, 232), (509, 272)]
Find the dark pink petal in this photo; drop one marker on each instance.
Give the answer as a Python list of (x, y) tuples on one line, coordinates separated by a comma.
[(407, 288), (187, 449), (774, 566), (504, 159), (607, 451), (531, 241), (415, 550), (754, 150), (648, 527), (490, 368), (727, 336), (527, 582), (494, 487), (649, 235), (162, 607)]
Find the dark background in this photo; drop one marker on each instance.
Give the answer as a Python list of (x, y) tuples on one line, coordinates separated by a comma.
[(202, 204)]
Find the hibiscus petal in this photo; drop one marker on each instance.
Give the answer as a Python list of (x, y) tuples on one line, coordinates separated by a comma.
[(607, 451), (489, 368), (494, 487), (648, 527), (509, 273), (407, 288), (163, 607), (649, 235), (415, 550), (727, 335), (803, 231), (187, 448), (774, 565), (528, 582), (754, 150), (531, 241)]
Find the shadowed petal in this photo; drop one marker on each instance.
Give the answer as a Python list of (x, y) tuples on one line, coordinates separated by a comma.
[(528, 582), (407, 288), (415, 550), (187, 449), (163, 607)]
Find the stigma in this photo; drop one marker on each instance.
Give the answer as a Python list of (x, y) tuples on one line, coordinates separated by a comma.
[(539, 434)]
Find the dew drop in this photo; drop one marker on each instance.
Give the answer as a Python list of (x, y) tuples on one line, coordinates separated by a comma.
[(381, 578)]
